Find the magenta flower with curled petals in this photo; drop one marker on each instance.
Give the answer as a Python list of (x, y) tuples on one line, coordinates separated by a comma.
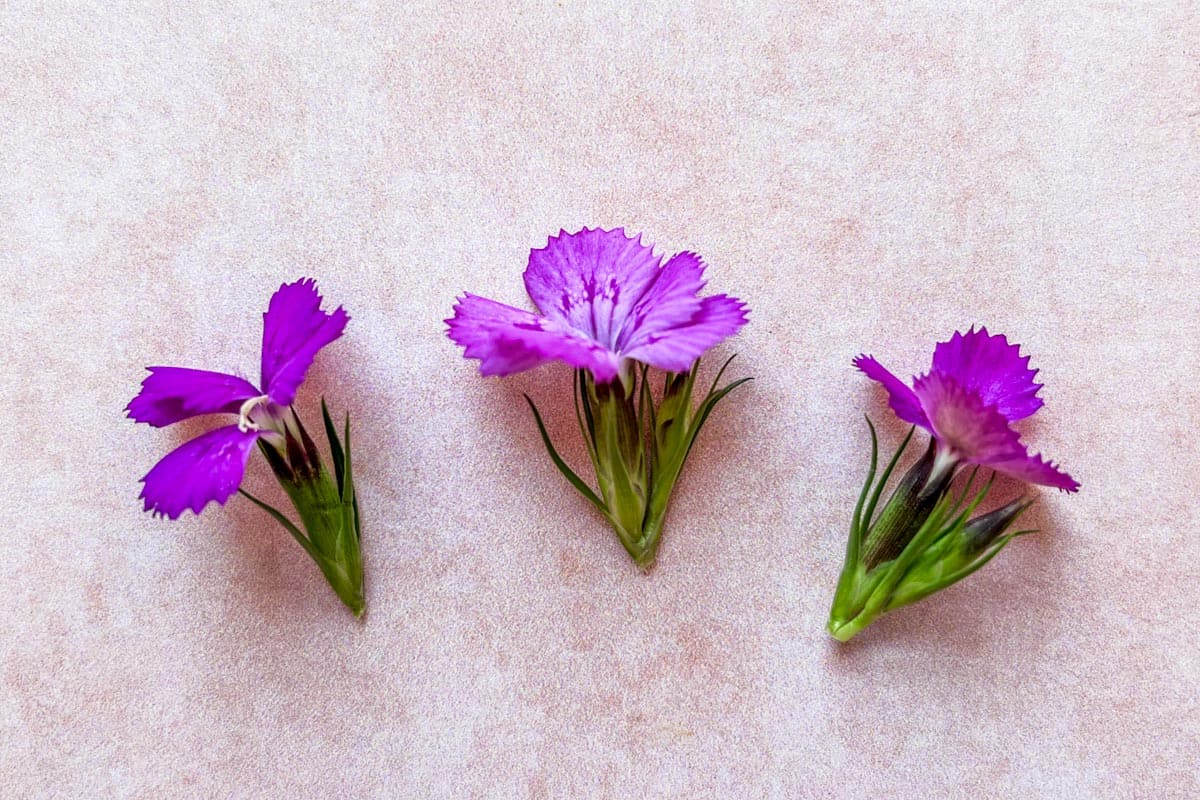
[(211, 466), (610, 308), (922, 539), (978, 385)]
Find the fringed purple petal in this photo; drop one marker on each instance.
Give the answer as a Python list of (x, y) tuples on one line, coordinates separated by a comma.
[(671, 301), (209, 467), (171, 394), (978, 385), (676, 348), (508, 340), (591, 280), (976, 432), (992, 368), (294, 330), (1035, 469), (901, 398)]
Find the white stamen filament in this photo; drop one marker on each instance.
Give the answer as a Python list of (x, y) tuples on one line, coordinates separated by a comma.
[(245, 424), (945, 460)]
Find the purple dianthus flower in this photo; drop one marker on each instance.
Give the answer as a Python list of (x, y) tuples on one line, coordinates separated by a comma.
[(924, 538), (978, 385), (605, 300), (211, 466), (611, 309)]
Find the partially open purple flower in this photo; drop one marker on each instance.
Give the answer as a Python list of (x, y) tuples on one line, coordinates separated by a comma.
[(978, 385), (605, 299), (923, 539), (210, 467)]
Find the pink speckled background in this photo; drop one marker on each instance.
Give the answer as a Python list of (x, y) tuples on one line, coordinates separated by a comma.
[(867, 178)]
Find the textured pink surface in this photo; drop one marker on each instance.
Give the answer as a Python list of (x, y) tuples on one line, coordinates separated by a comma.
[(867, 179)]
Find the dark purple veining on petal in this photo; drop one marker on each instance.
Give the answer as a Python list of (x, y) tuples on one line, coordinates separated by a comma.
[(604, 297)]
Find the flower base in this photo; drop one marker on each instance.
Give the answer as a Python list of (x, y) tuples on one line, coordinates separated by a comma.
[(326, 504), (921, 542), (637, 449)]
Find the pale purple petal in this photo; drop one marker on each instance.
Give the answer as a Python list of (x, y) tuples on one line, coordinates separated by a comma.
[(675, 349), (1035, 469), (671, 301), (171, 394), (993, 369), (508, 340), (591, 280), (209, 467), (901, 398), (975, 432), (605, 298), (294, 329)]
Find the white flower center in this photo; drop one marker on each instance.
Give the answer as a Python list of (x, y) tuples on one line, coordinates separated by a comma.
[(245, 424)]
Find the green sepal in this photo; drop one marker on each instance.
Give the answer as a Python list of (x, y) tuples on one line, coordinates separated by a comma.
[(562, 466), (940, 548), (335, 447), (282, 519), (710, 400), (637, 449)]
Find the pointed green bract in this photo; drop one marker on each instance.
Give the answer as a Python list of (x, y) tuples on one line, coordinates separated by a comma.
[(282, 519), (335, 447), (637, 449), (922, 541), (579, 484)]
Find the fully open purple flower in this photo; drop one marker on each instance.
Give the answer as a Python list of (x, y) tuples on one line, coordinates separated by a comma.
[(608, 304), (211, 466), (979, 384), (605, 299)]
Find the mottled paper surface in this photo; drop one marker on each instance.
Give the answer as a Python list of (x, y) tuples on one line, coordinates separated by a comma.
[(867, 178)]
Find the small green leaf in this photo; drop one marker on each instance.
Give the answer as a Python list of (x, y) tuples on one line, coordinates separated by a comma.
[(567, 472), (287, 524), (887, 473), (720, 373), (963, 513), (902, 598), (706, 408), (335, 447), (346, 481), (856, 526)]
